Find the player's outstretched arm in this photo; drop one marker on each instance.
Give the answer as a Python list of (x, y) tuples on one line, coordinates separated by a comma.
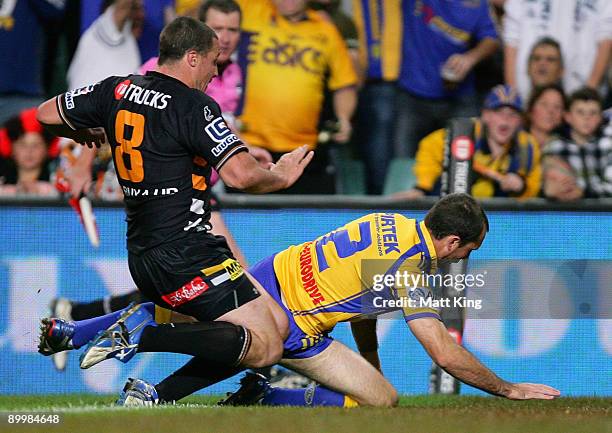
[(460, 363), (243, 172), (48, 115)]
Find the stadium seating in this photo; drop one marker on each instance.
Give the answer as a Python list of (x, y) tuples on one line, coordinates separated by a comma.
[(399, 176)]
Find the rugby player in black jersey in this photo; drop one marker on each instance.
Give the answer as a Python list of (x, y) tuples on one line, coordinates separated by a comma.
[(166, 135)]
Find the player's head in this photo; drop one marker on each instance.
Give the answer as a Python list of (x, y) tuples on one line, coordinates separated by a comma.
[(584, 112), (191, 48), (458, 225), (502, 113), (223, 16), (545, 65)]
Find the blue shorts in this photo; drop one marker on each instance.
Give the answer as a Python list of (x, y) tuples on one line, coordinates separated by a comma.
[(298, 344)]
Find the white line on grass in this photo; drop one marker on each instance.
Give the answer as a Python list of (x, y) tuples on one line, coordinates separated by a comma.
[(104, 408)]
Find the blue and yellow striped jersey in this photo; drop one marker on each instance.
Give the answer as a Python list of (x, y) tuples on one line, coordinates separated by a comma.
[(325, 281)]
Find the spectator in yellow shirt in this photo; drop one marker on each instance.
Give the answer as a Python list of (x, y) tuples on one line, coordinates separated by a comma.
[(508, 157), (288, 55)]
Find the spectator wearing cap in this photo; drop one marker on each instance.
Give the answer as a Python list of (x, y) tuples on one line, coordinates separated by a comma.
[(27, 156), (506, 160)]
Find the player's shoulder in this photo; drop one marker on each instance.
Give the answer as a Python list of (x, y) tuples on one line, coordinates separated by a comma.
[(187, 101), (87, 88), (195, 98), (386, 218), (203, 107)]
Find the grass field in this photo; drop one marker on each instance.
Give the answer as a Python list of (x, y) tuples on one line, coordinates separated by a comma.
[(435, 414)]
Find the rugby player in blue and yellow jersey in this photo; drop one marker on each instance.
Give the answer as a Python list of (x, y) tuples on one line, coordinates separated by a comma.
[(326, 281)]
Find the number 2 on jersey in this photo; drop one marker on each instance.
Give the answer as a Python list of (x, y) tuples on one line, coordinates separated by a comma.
[(129, 146), (343, 244)]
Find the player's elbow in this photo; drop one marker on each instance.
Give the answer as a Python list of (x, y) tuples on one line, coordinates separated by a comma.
[(240, 176), (47, 113), (442, 355), (443, 360), (242, 181)]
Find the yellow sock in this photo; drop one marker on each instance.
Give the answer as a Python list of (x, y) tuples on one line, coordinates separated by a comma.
[(349, 402), (162, 315)]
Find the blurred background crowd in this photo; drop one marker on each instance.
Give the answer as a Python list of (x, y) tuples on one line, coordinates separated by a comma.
[(371, 85)]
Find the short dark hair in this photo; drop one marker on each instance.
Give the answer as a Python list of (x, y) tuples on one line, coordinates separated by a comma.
[(181, 35), (459, 215), (585, 94), (547, 40), (225, 6)]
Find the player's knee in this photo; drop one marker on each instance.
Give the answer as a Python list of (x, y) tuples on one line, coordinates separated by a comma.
[(274, 355), (274, 351), (392, 399), (265, 350), (388, 398), (280, 320)]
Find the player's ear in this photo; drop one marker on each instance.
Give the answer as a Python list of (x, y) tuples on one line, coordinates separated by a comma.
[(192, 58), (453, 242)]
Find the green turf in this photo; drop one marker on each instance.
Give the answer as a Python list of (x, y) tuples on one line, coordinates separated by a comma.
[(439, 414)]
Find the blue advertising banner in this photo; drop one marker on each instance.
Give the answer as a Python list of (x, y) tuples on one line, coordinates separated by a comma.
[(44, 253)]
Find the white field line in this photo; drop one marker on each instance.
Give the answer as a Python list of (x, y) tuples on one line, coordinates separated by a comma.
[(101, 408)]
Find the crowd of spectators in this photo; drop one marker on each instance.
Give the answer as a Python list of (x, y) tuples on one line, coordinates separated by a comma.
[(380, 80)]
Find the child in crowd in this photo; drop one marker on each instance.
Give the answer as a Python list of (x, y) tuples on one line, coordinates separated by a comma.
[(580, 164)]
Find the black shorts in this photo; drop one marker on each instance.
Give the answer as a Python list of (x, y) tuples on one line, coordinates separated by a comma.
[(197, 276)]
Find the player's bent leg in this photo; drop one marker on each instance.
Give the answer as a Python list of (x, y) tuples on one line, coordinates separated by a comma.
[(268, 326), (346, 372)]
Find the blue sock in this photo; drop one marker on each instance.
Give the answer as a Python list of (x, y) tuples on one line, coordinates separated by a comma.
[(87, 329), (311, 396)]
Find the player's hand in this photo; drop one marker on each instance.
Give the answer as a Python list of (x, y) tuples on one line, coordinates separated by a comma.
[(90, 137), (512, 182), (291, 165), (79, 178), (345, 129), (263, 157), (528, 391), (411, 194)]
